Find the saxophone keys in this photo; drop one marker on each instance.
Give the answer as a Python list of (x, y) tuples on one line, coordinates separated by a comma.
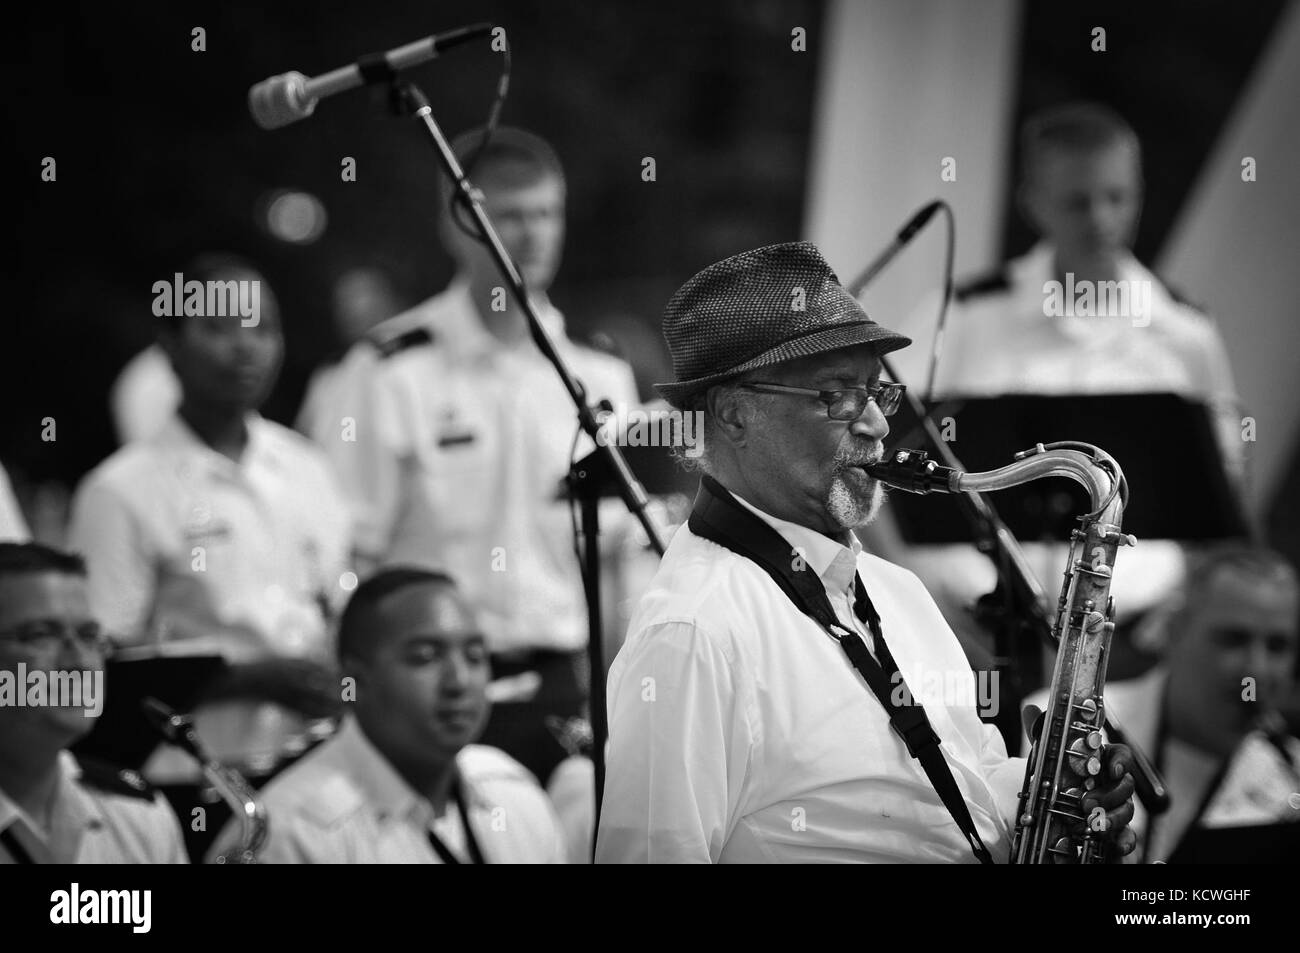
[(1064, 852), (1082, 760)]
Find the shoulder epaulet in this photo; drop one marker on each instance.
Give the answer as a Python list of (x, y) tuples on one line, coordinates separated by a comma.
[(109, 779), (1179, 298), (603, 342), (395, 345), (485, 763), (982, 285)]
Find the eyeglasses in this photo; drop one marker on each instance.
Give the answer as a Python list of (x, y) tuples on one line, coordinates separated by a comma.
[(848, 403), (46, 636)]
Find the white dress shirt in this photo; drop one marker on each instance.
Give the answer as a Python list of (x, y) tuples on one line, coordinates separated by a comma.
[(145, 395), (479, 435), (337, 412), (189, 551), (1000, 342), (740, 732), (344, 803), (90, 824)]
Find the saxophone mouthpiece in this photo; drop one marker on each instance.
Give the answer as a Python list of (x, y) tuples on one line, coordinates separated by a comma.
[(914, 472)]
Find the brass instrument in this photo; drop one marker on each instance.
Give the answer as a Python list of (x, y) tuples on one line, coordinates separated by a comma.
[(244, 803), (1065, 760)]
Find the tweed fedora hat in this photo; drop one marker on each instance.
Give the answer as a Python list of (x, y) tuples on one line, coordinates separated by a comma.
[(760, 308)]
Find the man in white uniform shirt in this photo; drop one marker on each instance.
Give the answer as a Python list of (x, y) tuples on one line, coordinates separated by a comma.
[(462, 441), (223, 534), (1028, 329), (402, 782), (55, 808), (741, 730)]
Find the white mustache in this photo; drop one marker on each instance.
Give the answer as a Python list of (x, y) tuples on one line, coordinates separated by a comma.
[(844, 462)]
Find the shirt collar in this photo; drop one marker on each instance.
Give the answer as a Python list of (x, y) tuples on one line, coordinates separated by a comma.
[(81, 809), (385, 791), (466, 331), (1038, 266), (69, 799), (836, 565), (178, 436), (9, 810)]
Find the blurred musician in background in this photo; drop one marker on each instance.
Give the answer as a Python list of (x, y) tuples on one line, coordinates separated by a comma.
[(54, 808), (453, 437), (1207, 714), (1082, 192), (402, 781), (362, 298), (224, 534)]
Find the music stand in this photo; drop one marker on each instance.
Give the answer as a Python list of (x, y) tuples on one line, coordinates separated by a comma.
[(122, 735), (1257, 844), (1179, 488)]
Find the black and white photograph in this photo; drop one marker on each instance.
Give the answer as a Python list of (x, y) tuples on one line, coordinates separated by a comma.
[(593, 432)]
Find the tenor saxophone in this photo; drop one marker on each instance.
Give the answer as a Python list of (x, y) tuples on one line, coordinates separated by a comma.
[(1065, 760)]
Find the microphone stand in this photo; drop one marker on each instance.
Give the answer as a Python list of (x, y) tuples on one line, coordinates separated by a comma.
[(408, 98), (1022, 596)]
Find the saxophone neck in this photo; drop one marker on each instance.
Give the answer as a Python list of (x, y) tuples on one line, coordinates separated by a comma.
[(914, 472)]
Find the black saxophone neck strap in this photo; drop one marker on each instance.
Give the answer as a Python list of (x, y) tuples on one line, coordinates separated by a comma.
[(717, 517)]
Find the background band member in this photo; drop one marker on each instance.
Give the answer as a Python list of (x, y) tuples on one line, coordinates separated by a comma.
[(402, 781), (739, 729), (224, 533), (54, 809), (1081, 190), (463, 434)]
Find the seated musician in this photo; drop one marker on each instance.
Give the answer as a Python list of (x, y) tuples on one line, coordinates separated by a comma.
[(1207, 714), (402, 781), (55, 808), (223, 534)]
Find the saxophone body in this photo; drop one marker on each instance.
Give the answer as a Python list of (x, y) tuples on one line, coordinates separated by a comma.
[(1065, 760)]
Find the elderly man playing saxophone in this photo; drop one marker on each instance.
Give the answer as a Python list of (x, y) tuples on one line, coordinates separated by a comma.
[(758, 710)]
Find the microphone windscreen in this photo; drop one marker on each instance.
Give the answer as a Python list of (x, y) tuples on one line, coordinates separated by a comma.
[(280, 100)]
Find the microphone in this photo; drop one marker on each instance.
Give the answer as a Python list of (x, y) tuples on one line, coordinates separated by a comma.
[(286, 98), (905, 235)]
